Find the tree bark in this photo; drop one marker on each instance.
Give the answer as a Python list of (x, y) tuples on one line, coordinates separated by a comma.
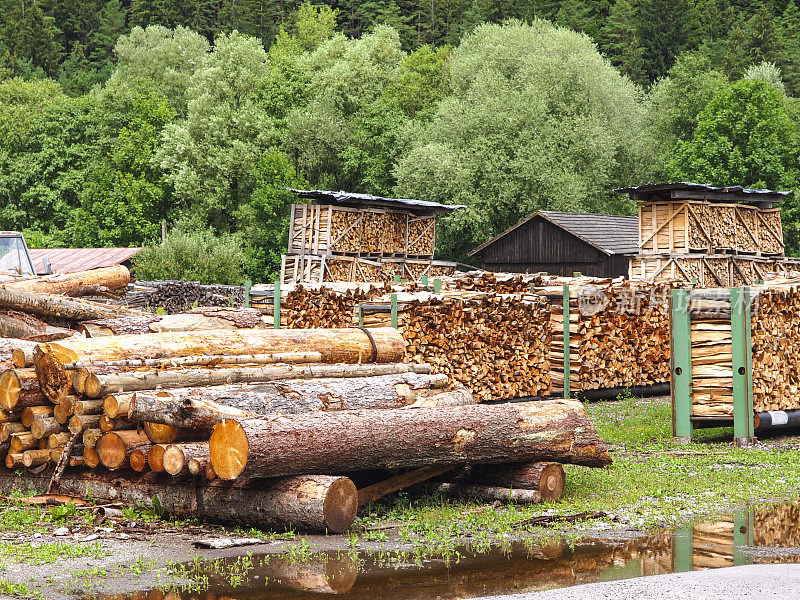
[(14, 324), (308, 503), (490, 493), (209, 360), (114, 278), (19, 388), (101, 384), (556, 430)]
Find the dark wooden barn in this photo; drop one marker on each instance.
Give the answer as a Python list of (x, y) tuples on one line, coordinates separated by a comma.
[(562, 243)]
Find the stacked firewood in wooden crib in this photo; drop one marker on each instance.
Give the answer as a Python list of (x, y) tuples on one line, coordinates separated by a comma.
[(271, 428)]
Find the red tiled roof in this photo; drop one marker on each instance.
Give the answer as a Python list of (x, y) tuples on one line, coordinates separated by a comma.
[(70, 260)]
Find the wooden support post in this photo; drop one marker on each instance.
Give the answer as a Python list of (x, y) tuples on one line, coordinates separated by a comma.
[(394, 311), (742, 367), (567, 361), (247, 285), (437, 286), (742, 536), (683, 551), (276, 304), (681, 366)]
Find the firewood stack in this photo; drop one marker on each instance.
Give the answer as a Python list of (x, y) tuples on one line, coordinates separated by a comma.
[(285, 413), (307, 306), (774, 335), (496, 345)]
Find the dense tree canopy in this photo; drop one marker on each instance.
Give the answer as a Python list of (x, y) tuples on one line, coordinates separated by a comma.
[(116, 115)]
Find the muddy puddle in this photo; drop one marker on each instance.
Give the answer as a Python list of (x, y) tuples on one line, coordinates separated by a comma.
[(761, 535)]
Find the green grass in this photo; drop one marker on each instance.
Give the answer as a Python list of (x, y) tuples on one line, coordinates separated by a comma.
[(47, 553)]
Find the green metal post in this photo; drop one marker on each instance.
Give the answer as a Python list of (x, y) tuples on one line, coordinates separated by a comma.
[(276, 304), (424, 280), (248, 284), (742, 536), (742, 367), (681, 365), (397, 278), (565, 313), (360, 316), (437, 286), (683, 549), (394, 311)]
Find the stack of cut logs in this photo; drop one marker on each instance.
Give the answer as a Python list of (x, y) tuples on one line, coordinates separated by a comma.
[(179, 296), (495, 344), (307, 306), (775, 337), (619, 334), (285, 413)]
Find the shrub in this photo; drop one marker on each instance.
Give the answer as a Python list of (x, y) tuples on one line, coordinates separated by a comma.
[(193, 254)]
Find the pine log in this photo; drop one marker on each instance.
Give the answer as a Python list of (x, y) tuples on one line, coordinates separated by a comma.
[(138, 458), (58, 439), (15, 324), (13, 459), (46, 305), (22, 441), (91, 458), (155, 457), (41, 428), (90, 437), (32, 458), (107, 424), (30, 414), (60, 415), (307, 503), (89, 407), (159, 433), (78, 423), (115, 447), (204, 407), (490, 494), (547, 478), (208, 360), (21, 351), (6, 429), (177, 456), (336, 345), (114, 278), (117, 405), (101, 384), (396, 438), (19, 388), (197, 466)]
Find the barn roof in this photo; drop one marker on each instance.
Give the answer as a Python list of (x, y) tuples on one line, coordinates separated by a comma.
[(611, 234), (353, 199), (70, 260)]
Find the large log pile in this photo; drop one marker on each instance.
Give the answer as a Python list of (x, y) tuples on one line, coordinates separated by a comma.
[(291, 415), (496, 345)]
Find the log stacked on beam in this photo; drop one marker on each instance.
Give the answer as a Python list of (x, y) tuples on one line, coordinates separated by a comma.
[(496, 345)]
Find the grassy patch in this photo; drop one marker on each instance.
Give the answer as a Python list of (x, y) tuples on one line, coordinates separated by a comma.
[(47, 553)]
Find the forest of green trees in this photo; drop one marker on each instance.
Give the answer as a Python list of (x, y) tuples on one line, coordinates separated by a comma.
[(116, 115)]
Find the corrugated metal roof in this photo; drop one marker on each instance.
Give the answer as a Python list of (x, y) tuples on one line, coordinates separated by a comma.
[(367, 199), (611, 234), (702, 187), (70, 260)]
